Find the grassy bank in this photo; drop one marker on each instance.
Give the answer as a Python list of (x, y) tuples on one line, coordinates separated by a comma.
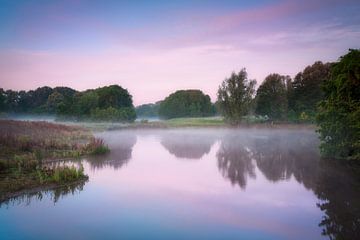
[(26, 146), (207, 122)]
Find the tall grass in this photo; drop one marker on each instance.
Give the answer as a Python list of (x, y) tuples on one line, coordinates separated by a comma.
[(25, 145)]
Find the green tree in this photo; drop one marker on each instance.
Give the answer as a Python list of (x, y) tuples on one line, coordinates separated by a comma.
[(54, 101), (114, 96), (87, 101), (306, 92), (186, 103), (38, 98), (271, 97), (339, 113), (11, 100), (2, 100), (235, 96), (148, 110), (124, 114)]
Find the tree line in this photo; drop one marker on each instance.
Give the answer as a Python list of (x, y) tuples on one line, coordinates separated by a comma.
[(323, 93), (110, 103), (328, 94)]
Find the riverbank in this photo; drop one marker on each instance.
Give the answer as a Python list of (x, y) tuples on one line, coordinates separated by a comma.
[(26, 146), (201, 122)]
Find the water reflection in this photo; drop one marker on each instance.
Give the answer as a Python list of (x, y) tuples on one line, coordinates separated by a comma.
[(277, 154), (121, 145), (188, 144), (338, 190), (234, 159), (281, 155), (54, 194), (243, 158)]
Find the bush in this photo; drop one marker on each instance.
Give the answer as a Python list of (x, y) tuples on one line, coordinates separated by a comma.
[(68, 174), (113, 114), (96, 146)]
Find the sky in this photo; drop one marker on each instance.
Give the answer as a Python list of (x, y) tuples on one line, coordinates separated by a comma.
[(153, 48)]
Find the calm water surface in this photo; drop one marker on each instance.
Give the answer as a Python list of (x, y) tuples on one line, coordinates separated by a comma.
[(196, 184)]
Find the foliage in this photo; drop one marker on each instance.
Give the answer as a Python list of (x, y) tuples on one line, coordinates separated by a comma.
[(339, 112), (86, 102), (67, 102), (67, 174), (235, 96), (305, 91), (186, 103), (24, 146), (113, 114), (2, 100), (54, 101), (271, 97), (96, 146), (114, 96), (148, 110), (21, 142)]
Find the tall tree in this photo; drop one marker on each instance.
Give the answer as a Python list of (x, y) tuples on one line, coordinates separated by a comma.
[(306, 90), (339, 112), (235, 96), (271, 97)]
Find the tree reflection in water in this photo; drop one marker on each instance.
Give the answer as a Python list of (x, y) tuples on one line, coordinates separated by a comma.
[(188, 144), (338, 190), (121, 145), (54, 194), (234, 160), (279, 155)]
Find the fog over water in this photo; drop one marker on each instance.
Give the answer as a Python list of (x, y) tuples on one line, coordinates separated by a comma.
[(197, 184)]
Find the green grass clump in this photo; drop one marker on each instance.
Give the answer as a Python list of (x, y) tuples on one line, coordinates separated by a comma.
[(96, 146), (67, 174)]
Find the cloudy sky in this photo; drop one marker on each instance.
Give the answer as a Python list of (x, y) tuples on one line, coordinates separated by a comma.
[(155, 47)]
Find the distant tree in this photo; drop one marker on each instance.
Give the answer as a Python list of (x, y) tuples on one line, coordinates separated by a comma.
[(186, 103), (67, 106), (86, 102), (39, 97), (235, 96), (24, 102), (339, 113), (271, 97), (114, 96), (65, 91), (2, 100), (305, 91), (54, 102), (113, 114), (148, 110), (11, 100)]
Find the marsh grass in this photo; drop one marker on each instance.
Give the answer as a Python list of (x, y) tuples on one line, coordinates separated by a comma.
[(24, 146), (96, 146)]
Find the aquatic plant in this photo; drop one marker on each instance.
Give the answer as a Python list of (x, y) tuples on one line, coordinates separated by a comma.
[(96, 146)]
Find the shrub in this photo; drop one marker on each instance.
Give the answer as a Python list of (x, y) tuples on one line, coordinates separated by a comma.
[(113, 114), (67, 174), (96, 146)]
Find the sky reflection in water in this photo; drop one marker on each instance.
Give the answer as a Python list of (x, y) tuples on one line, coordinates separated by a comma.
[(197, 184)]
